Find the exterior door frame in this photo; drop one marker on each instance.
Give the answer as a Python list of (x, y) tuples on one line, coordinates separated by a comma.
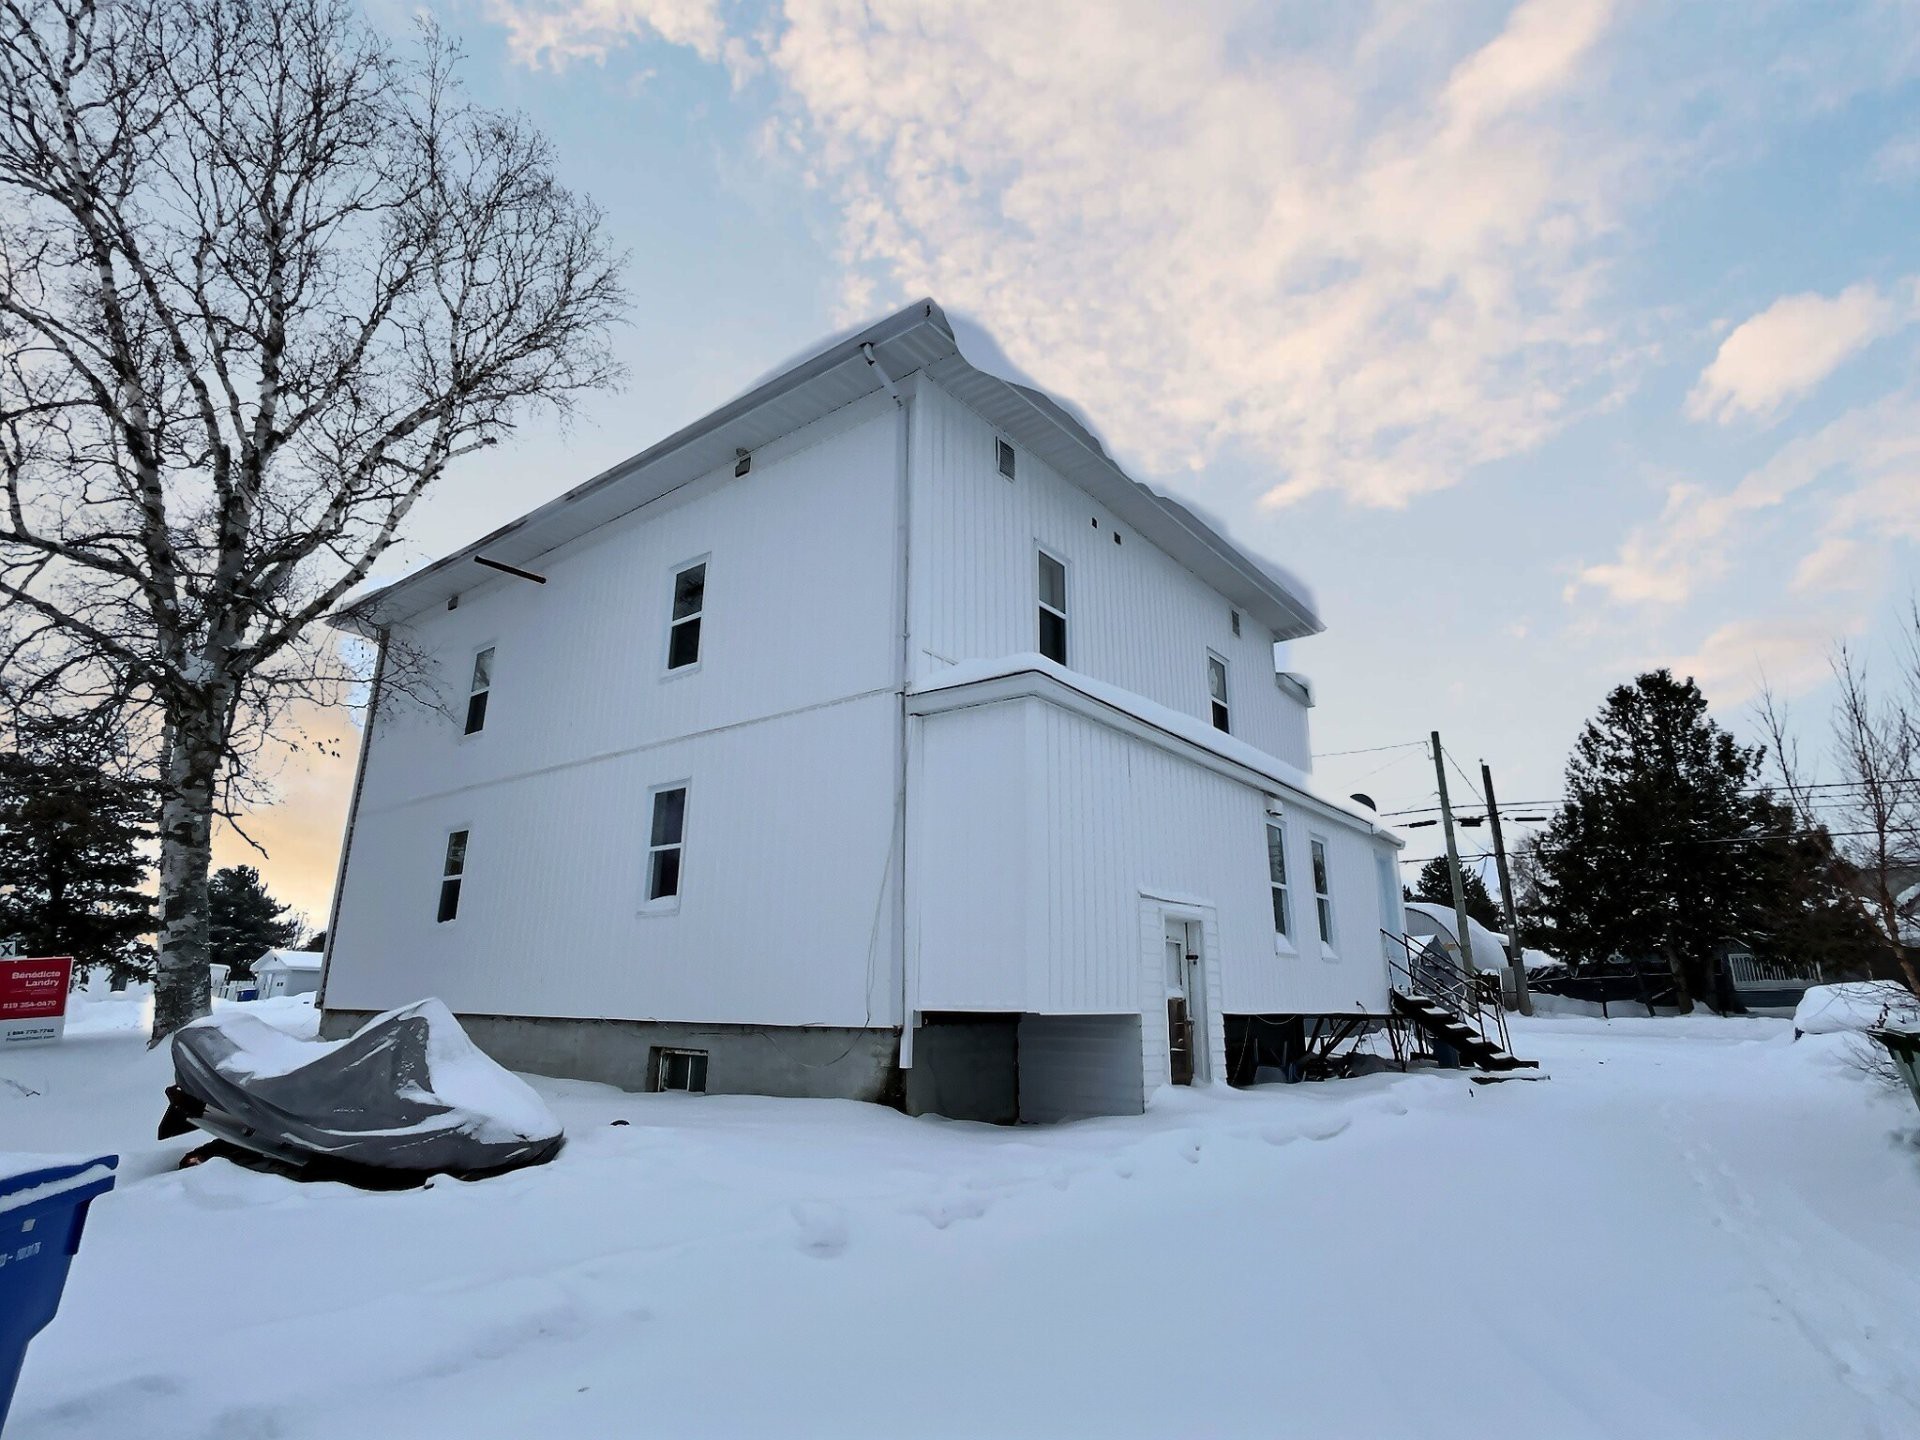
[(1203, 987)]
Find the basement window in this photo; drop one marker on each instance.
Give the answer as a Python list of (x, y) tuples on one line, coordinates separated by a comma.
[(450, 875), (1217, 692), (689, 606), (478, 691), (682, 1070), (667, 841), (1006, 458), (1053, 608)]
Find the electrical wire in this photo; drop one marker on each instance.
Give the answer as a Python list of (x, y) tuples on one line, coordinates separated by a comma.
[(1373, 749)]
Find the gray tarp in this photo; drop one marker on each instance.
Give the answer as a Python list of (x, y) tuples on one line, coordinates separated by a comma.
[(408, 1093)]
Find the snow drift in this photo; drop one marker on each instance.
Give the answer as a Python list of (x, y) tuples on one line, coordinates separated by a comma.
[(1856, 1006), (407, 1093)]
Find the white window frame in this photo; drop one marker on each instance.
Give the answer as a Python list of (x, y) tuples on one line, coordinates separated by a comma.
[(664, 1055), (1283, 943), (449, 875), (1319, 867), (1065, 610), (467, 728), (666, 904), (1225, 700), (668, 670)]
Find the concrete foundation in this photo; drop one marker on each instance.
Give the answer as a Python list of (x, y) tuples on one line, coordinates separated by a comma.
[(802, 1063)]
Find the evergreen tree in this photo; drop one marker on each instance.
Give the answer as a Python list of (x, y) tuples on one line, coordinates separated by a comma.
[(1654, 853), (73, 875), (1809, 906), (246, 920), (1435, 886)]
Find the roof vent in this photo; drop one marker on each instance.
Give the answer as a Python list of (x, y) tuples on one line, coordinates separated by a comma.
[(1366, 800), (1006, 459)]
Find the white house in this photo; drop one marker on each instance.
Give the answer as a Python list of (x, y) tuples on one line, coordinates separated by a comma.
[(874, 736), (287, 972)]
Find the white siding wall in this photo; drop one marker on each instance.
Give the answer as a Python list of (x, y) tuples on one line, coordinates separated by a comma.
[(1108, 819), (1137, 618), (787, 733), (971, 859)]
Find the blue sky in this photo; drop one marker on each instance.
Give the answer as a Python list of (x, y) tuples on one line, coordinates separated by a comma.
[(1547, 341)]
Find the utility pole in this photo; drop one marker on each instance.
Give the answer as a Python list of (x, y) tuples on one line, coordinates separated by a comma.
[(1453, 859), (1523, 1001)]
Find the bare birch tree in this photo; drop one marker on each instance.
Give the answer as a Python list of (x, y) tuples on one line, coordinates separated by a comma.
[(1872, 801), (263, 277)]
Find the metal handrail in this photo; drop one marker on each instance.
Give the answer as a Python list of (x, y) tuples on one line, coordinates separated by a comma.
[(1474, 999)]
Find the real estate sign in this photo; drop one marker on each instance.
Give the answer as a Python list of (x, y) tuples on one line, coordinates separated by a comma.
[(33, 998)]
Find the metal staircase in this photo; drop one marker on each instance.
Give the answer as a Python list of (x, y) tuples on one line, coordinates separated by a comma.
[(1450, 1009)]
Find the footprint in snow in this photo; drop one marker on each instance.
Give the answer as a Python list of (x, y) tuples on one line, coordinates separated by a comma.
[(944, 1212), (823, 1230)]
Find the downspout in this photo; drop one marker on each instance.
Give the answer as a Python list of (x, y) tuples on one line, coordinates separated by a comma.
[(904, 600), (353, 813)]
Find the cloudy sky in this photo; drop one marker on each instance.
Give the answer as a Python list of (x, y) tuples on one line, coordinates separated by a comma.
[(1548, 341)]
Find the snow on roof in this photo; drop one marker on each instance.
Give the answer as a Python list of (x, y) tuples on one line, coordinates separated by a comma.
[(918, 338), (1193, 730), (290, 959), (1485, 942)]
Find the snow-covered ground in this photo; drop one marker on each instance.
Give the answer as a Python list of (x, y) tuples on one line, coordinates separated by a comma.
[(1693, 1228)]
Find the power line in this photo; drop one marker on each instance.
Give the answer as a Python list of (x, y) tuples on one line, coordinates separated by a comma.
[(1372, 749), (1744, 790), (1681, 840), (1472, 789)]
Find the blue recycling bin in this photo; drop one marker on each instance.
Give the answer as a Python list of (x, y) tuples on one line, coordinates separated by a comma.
[(42, 1211)]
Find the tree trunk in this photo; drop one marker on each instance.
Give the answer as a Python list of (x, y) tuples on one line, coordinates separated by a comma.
[(183, 988), (1682, 991)]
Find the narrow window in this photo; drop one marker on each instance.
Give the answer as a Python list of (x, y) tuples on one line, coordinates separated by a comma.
[(1053, 609), (689, 603), (478, 691), (1322, 895), (1006, 459), (1392, 917), (1236, 620), (450, 874), (1217, 691), (1277, 877), (684, 1070), (668, 839)]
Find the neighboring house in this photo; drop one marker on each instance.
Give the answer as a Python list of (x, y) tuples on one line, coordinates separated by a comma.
[(287, 972), (1438, 923), (874, 736), (1765, 985)]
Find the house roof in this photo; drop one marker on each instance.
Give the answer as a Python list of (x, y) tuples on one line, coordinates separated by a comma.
[(1017, 674), (917, 338), (290, 959)]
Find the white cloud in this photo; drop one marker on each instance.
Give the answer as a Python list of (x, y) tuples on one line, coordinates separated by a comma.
[(1792, 345), (1370, 258), (555, 33), (1865, 466), (1897, 162), (1787, 653)]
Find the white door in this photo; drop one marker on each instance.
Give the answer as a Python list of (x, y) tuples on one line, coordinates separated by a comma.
[(1186, 1017)]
